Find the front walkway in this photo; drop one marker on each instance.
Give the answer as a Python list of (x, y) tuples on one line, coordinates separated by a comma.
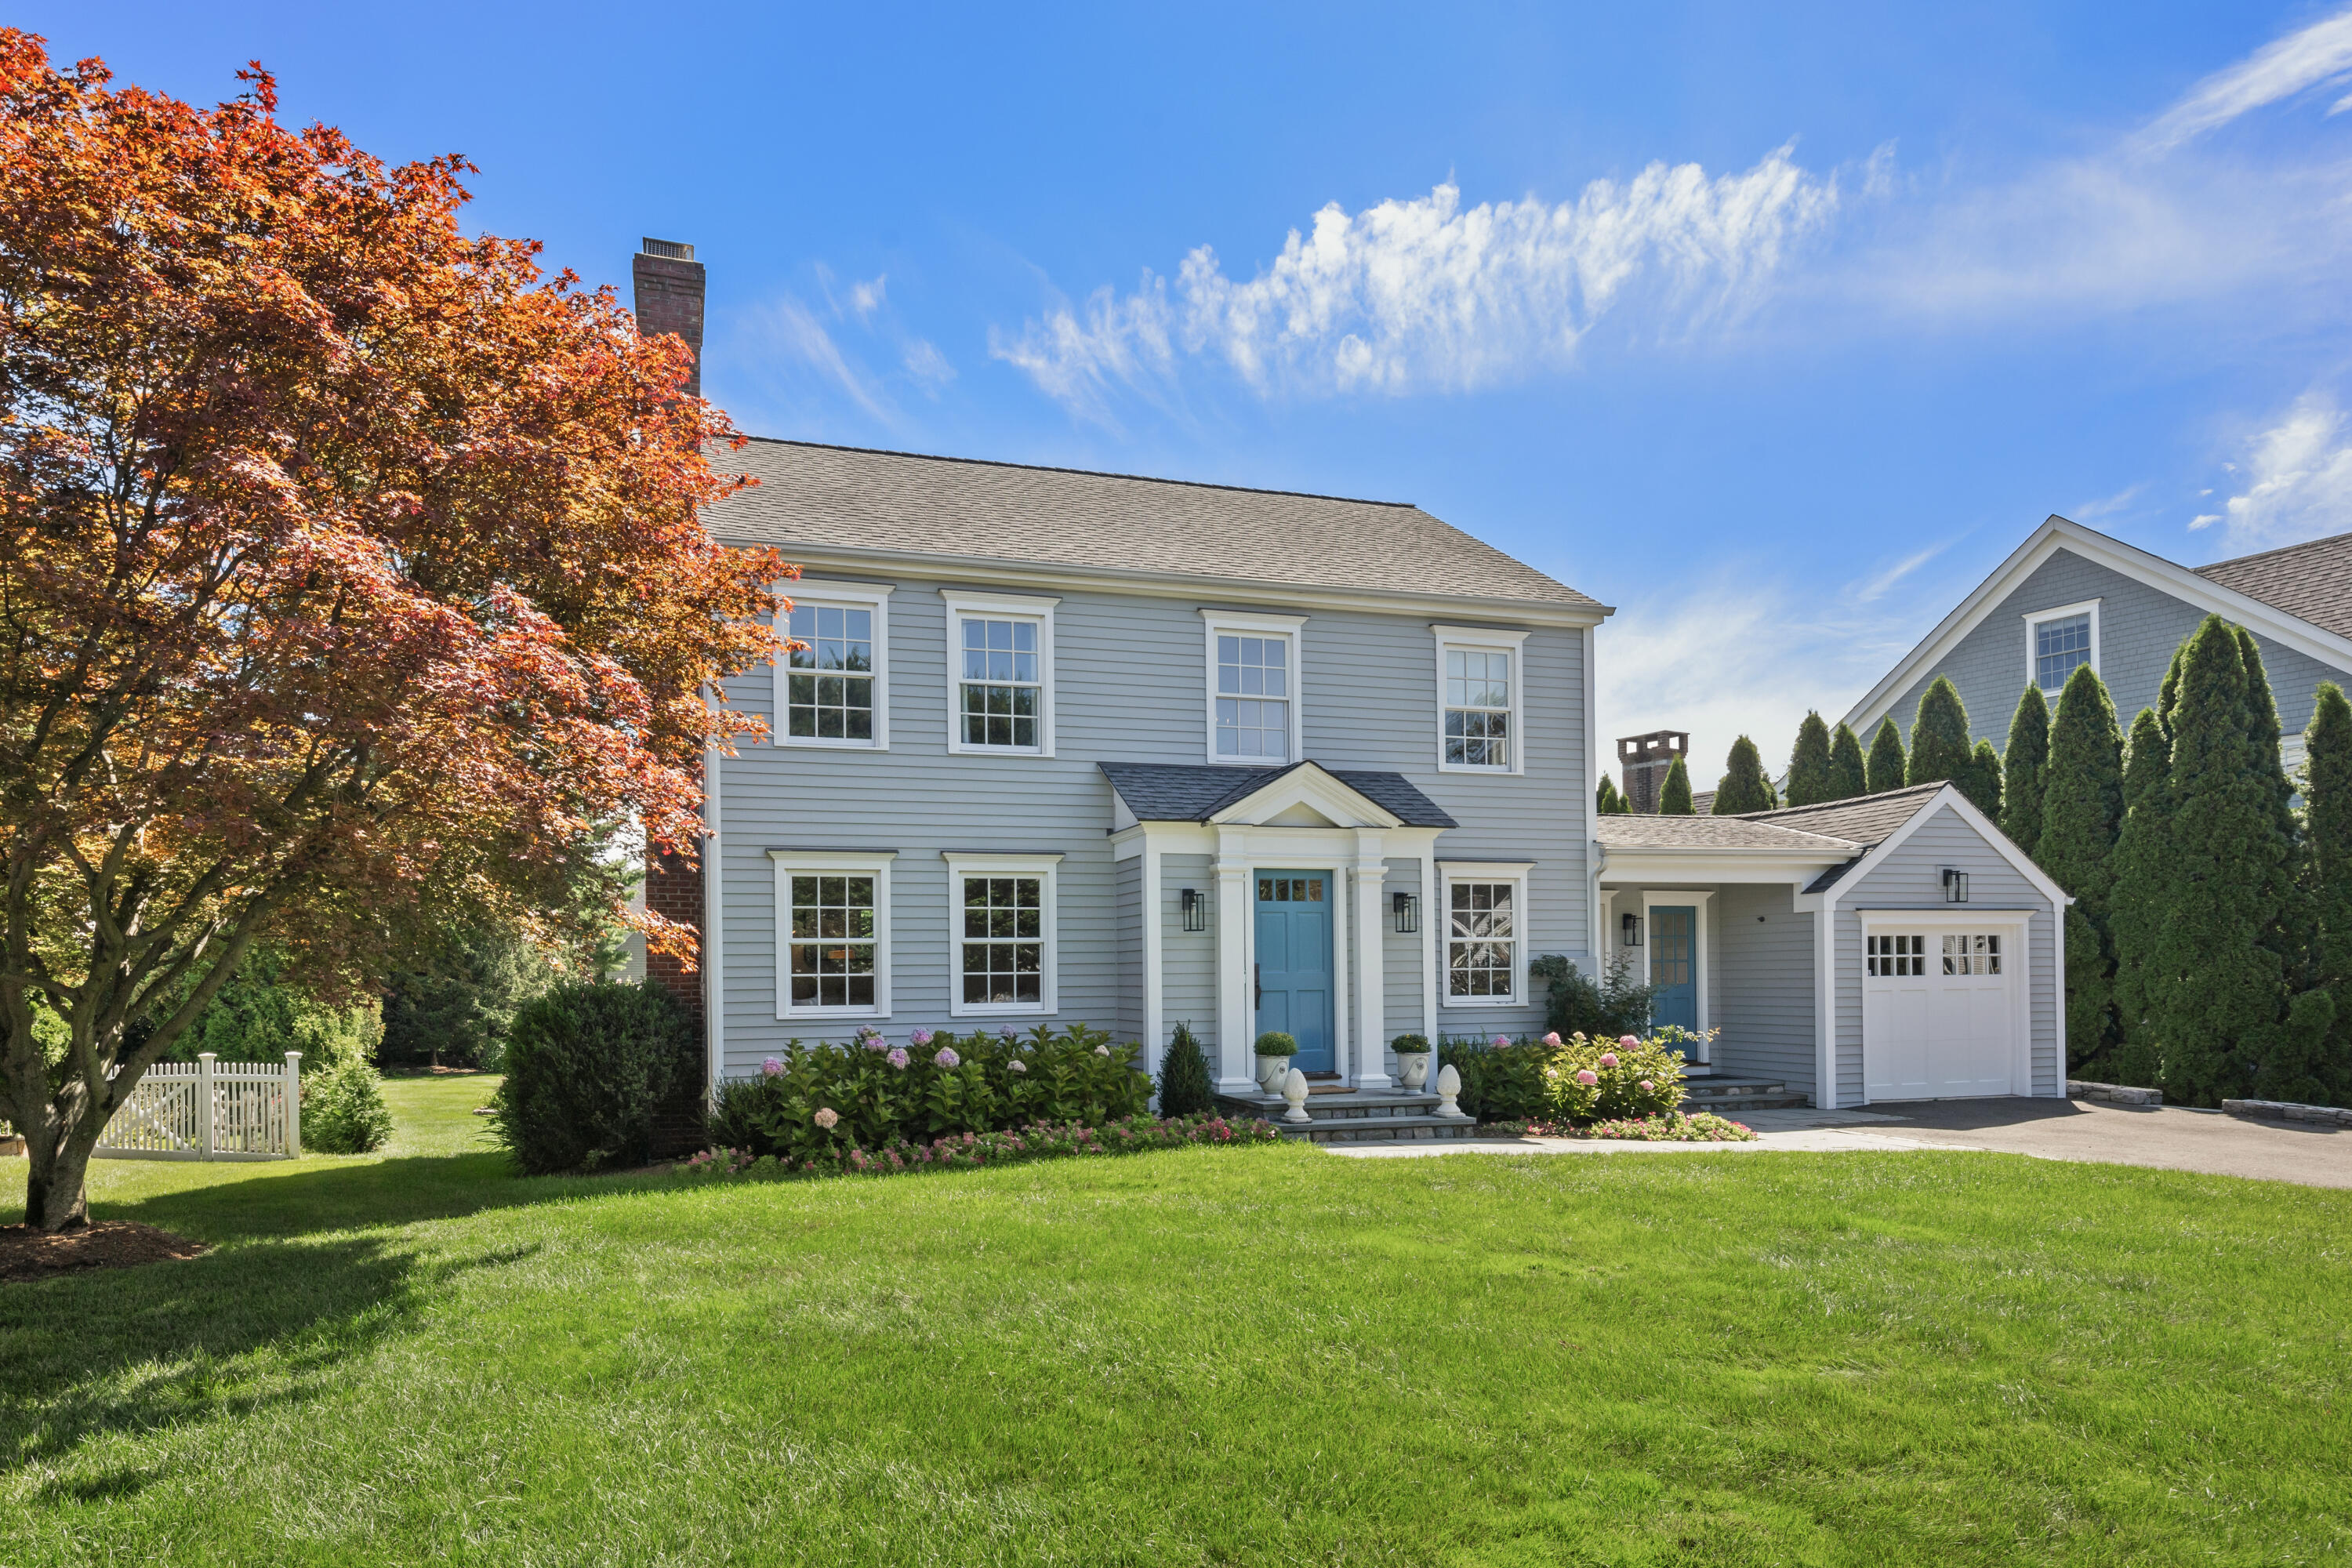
[(2168, 1138)]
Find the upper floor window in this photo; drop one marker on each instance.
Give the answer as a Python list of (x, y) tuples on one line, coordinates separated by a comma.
[(2060, 641), (830, 689), (999, 673), (1479, 707), (1253, 695)]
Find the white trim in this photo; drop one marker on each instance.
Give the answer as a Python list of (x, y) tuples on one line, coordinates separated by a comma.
[(2020, 976), (1431, 941), (959, 603), (1292, 629), (1155, 940), (1701, 900), (2064, 611), (1047, 869), (1951, 795), (714, 944), (2057, 533), (1238, 853), (817, 595), (1516, 872), (874, 863), (1314, 787), (1484, 639), (1367, 887), (1825, 1004)]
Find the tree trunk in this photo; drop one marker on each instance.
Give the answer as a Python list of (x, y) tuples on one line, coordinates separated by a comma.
[(56, 1187)]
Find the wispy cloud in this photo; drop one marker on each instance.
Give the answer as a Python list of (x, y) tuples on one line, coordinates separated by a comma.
[(2321, 53), (2086, 512), (929, 367), (1427, 294), (865, 298), (787, 331), (2297, 480), (1873, 589)]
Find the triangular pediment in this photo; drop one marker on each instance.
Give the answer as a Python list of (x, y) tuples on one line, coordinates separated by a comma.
[(1305, 795)]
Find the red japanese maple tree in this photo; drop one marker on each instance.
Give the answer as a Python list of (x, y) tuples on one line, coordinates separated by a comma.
[(348, 567)]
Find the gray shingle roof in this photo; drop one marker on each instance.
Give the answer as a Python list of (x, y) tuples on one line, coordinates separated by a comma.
[(1178, 792), (1866, 819), (850, 498), (1712, 832), (2313, 580)]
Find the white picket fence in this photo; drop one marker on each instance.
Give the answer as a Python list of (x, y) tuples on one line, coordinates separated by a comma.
[(210, 1110)]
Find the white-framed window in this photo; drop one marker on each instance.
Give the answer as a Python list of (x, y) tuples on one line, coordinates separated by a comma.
[(1002, 935), (1480, 727), (834, 690), (2059, 641), (1971, 952), (833, 933), (1899, 954), (1485, 933), (999, 673), (1254, 687)]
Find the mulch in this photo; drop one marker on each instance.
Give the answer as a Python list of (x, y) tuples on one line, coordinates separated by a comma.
[(27, 1253)]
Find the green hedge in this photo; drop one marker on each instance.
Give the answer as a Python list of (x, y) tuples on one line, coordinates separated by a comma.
[(588, 1065)]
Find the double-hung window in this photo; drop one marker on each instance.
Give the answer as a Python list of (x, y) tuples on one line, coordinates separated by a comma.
[(1253, 693), (1485, 932), (1001, 933), (831, 689), (834, 933), (999, 673), (1479, 677), (2060, 641)]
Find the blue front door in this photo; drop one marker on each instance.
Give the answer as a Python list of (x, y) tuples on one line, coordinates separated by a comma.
[(1674, 964), (1294, 963)]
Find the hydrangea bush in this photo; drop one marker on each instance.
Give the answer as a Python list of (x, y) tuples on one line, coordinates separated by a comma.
[(1557, 1081), (971, 1150)]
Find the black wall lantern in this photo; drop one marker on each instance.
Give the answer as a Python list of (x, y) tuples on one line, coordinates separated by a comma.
[(1629, 927), (1407, 907), (1955, 886), (1196, 911)]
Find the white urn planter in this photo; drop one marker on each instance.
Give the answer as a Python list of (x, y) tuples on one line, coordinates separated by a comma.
[(1271, 1072), (1412, 1069), (1294, 1090)]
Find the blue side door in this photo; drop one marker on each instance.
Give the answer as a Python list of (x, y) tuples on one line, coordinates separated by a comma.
[(1294, 963), (1674, 964)]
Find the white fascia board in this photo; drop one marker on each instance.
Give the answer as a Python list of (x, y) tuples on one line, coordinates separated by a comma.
[(1994, 839), (1310, 784), (2062, 533), (1630, 868)]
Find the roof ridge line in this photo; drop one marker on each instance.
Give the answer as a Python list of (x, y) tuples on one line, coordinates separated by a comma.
[(2275, 550)]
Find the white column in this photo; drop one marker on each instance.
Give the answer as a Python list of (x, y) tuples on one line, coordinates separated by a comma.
[(1155, 930), (1371, 977), (1235, 1014), (1432, 919), (204, 1104), (294, 1104)]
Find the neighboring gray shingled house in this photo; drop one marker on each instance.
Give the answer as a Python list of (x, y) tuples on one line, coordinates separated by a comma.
[(1078, 747), (2072, 596)]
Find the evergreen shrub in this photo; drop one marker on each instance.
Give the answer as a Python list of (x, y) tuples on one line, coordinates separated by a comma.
[(588, 1065), (1887, 764), (1745, 786), (1675, 791), (343, 1110), (2025, 763), (1573, 1005), (1185, 1088), (1812, 773), (1940, 737), (1849, 770)]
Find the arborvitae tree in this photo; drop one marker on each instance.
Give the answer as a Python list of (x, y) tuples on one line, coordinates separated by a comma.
[(1810, 778), (1849, 773), (2080, 813), (1744, 786), (2290, 1058), (2327, 871), (1939, 736), (1675, 795), (2023, 763), (1981, 783), (2141, 885), (1887, 763), (1607, 802), (1184, 1086)]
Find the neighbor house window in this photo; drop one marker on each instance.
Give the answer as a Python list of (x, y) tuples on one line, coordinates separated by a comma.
[(1485, 933), (835, 933), (1253, 718), (999, 673), (1972, 954), (1478, 680), (829, 686), (1002, 935), (1895, 956), (2059, 642)]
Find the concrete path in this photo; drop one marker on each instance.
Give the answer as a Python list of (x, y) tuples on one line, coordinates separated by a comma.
[(2167, 1137)]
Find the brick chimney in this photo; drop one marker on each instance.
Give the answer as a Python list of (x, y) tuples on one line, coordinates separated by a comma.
[(670, 296), (1645, 760)]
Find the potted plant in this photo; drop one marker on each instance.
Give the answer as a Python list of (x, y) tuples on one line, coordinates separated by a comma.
[(1275, 1050), (1412, 1060)]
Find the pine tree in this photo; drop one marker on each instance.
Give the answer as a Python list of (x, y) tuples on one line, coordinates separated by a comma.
[(2024, 763), (1887, 764), (2327, 871), (1939, 736), (1811, 780), (2140, 887), (1184, 1086), (2080, 813), (1675, 795), (1981, 782), (1606, 801), (1744, 788), (1849, 775)]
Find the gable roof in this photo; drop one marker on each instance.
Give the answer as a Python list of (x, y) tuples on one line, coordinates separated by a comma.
[(1715, 833), (2313, 580), (1866, 819), (1194, 791), (951, 509), (2302, 581)]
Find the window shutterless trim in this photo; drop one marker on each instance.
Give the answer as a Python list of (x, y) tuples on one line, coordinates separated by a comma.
[(1047, 870), (874, 863), (1243, 623), (1484, 640), (818, 594), (1515, 874), (2064, 612), (961, 603)]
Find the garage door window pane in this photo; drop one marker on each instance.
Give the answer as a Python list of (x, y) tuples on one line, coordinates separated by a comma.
[(1896, 956), (1972, 954)]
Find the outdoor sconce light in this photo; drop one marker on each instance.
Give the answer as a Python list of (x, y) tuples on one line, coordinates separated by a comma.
[(1408, 912), (1196, 912), (1630, 926), (1955, 886)]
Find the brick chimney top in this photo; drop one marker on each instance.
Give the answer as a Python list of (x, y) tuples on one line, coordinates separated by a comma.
[(670, 296), (1646, 758)]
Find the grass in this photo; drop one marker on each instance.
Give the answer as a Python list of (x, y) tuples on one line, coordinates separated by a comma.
[(1200, 1356)]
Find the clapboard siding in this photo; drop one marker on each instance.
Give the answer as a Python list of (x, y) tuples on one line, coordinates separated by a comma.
[(1765, 972), (1187, 960), (1128, 915)]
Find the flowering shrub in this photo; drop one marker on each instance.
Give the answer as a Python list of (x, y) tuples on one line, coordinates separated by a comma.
[(1673, 1127), (971, 1150), (817, 1102), (1557, 1081)]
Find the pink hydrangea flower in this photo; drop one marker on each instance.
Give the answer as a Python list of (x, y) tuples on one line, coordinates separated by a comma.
[(897, 1058), (826, 1117), (1502, 1040), (1628, 1041), (771, 1068), (1017, 1065), (1647, 1087), (871, 1038), (947, 1057), (1609, 1059), (921, 1038), (1552, 1038), (1006, 1033), (1587, 1077)]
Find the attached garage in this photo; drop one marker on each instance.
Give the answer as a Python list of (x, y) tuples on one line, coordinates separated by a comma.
[(1943, 1005)]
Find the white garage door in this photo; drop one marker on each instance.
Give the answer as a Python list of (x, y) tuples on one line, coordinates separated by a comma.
[(1939, 1021)]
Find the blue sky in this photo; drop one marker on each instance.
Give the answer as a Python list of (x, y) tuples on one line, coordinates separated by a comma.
[(1775, 331)]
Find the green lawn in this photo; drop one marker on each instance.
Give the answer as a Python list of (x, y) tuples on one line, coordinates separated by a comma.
[(1270, 1355)]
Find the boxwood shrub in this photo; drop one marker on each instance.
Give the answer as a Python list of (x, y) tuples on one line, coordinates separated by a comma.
[(588, 1065)]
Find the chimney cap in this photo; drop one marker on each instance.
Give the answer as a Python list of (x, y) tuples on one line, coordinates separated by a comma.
[(1657, 745), (675, 251)]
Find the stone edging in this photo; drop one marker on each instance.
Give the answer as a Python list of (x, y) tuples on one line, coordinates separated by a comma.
[(2284, 1111), (2114, 1094)]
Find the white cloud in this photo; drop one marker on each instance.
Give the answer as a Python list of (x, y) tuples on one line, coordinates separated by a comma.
[(928, 365), (2298, 481), (2108, 506), (786, 334), (2319, 53), (865, 298), (1873, 589), (1425, 294)]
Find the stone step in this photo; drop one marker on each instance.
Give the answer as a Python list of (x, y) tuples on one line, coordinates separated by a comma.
[(1727, 1095), (1377, 1128), (1351, 1106)]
